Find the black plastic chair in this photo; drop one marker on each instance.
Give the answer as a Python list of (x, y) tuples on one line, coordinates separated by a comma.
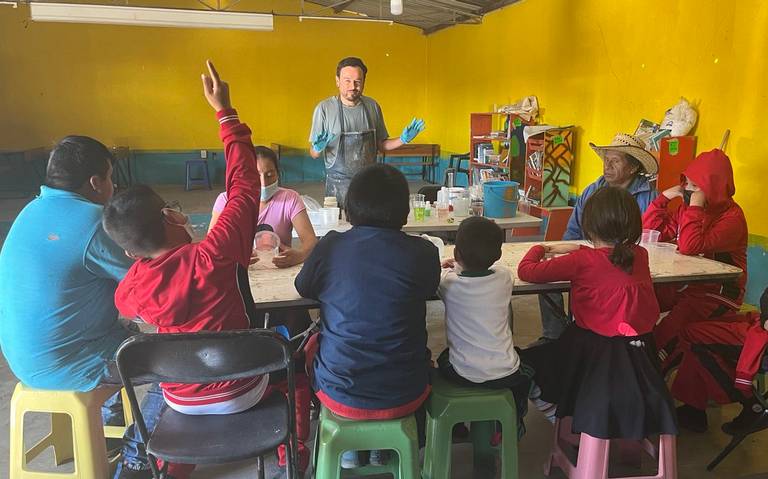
[(454, 164), (208, 357), (741, 435), (758, 392), (430, 192)]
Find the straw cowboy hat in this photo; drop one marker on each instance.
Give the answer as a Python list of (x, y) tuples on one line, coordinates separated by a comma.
[(632, 146)]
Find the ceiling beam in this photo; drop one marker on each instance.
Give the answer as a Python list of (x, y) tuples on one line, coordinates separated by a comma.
[(342, 6), (429, 3), (496, 5)]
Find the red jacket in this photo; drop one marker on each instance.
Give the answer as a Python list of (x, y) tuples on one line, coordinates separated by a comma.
[(194, 287), (755, 342), (604, 298), (717, 231)]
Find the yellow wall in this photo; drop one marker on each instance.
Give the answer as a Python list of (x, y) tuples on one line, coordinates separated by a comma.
[(604, 64), (140, 86), (600, 64)]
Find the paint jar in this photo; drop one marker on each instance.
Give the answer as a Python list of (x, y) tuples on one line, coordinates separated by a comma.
[(418, 211), (442, 210)]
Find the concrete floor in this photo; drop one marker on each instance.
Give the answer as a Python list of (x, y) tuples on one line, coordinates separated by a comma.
[(748, 461)]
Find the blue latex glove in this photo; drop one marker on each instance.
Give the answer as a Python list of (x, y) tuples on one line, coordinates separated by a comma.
[(321, 141), (410, 131)]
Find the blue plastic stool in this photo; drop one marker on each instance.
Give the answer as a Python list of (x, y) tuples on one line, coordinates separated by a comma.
[(204, 180)]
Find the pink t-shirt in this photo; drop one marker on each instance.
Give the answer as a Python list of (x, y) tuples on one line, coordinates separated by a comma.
[(278, 212)]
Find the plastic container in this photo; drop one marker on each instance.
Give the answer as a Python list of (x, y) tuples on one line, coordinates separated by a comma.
[(461, 207), (330, 216), (316, 217), (500, 199), (442, 210), (266, 245), (649, 237)]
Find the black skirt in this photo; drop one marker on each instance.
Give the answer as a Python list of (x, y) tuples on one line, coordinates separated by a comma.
[(613, 389)]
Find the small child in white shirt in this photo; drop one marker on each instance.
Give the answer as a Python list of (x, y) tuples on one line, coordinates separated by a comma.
[(477, 294)]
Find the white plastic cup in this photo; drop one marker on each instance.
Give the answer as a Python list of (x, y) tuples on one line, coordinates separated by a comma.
[(330, 216), (266, 245), (649, 237)]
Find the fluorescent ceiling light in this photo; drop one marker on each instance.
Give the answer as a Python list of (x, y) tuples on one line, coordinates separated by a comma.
[(349, 19), (151, 17)]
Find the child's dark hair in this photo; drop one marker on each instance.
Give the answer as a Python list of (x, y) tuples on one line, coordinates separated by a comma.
[(478, 243), (611, 215), (74, 160), (378, 196), (134, 220), (351, 62)]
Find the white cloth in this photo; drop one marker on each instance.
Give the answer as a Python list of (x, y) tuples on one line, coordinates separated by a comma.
[(477, 314), (232, 406)]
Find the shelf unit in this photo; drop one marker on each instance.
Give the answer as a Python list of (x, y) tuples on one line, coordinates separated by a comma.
[(508, 143), (549, 160)]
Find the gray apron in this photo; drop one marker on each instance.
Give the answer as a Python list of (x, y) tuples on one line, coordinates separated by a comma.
[(356, 150)]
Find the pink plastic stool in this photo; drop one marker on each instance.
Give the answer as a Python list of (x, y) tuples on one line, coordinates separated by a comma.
[(592, 462)]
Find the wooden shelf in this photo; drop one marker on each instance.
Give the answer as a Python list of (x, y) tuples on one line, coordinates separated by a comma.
[(511, 145), (477, 164)]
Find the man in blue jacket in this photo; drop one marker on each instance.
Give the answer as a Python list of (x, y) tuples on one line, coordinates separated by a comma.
[(626, 164)]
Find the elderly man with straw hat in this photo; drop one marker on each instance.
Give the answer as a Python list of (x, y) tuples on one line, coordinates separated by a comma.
[(626, 164)]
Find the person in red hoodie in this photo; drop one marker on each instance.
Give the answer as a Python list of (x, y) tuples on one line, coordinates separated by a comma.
[(708, 223), (184, 287)]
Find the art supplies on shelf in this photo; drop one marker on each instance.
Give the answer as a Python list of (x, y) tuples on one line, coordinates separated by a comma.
[(496, 140)]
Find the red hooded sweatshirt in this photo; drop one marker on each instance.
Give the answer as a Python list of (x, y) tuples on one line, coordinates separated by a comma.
[(194, 287), (717, 231)]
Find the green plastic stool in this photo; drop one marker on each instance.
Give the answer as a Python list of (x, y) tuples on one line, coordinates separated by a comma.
[(336, 435), (449, 405)]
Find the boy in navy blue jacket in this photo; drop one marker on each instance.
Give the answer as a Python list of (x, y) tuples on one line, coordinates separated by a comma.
[(372, 283)]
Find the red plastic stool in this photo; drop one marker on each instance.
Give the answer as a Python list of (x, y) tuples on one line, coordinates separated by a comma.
[(592, 461)]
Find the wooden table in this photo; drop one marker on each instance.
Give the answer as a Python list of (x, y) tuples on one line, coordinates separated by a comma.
[(273, 288), (521, 220), (429, 154)]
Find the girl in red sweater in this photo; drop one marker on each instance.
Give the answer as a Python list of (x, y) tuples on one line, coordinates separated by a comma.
[(603, 371)]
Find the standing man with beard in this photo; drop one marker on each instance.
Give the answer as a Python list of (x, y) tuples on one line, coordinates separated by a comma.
[(349, 128)]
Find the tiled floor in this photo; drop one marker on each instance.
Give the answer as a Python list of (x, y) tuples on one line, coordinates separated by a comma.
[(749, 461)]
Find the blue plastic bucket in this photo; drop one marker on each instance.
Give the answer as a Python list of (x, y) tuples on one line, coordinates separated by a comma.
[(500, 199)]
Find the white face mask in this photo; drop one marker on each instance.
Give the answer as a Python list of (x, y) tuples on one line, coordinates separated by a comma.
[(268, 191)]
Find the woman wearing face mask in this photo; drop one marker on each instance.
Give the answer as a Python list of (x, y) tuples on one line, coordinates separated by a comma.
[(711, 224), (280, 208)]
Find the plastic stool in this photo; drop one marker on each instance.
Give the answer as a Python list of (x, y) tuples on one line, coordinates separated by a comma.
[(204, 180), (593, 453), (449, 405), (77, 432), (336, 435)]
